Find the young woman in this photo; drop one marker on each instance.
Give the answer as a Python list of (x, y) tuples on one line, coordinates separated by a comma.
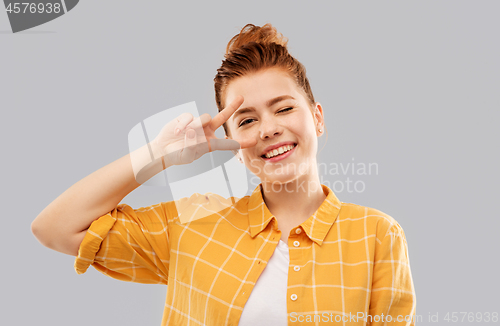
[(290, 253)]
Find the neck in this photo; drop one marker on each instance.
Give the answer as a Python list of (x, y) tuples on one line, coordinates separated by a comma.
[(294, 202)]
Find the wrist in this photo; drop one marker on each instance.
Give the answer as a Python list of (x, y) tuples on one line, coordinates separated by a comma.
[(154, 149), (158, 153)]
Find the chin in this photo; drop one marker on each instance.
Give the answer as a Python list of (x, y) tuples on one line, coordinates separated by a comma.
[(282, 179)]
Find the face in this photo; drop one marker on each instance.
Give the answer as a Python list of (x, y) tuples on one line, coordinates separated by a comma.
[(277, 115)]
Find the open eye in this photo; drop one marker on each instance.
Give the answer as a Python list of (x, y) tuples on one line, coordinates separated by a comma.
[(245, 121)]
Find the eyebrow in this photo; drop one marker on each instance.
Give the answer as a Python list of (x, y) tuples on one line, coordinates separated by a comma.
[(269, 103)]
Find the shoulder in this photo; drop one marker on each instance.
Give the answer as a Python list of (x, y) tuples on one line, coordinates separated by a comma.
[(373, 219), (199, 206)]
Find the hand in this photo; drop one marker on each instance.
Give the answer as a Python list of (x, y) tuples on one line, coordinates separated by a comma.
[(186, 138)]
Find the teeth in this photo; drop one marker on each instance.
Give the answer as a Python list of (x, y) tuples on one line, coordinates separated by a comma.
[(278, 151)]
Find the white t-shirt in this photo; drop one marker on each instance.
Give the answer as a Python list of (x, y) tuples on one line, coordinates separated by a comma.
[(267, 302)]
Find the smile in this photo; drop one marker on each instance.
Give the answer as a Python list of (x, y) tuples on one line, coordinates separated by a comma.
[(278, 151), (279, 154)]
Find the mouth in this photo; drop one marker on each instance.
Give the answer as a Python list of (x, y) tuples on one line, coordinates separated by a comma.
[(280, 153)]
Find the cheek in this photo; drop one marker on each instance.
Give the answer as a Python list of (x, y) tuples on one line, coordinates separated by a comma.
[(308, 125), (251, 162), (247, 156), (244, 134)]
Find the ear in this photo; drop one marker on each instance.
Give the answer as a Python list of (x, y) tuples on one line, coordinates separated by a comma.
[(319, 120)]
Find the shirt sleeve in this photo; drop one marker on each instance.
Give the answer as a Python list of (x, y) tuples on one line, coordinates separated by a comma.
[(128, 245), (393, 294)]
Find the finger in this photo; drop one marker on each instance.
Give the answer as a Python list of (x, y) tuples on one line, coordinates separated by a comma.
[(224, 145), (247, 143), (189, 150), (226, 113), (200, 122), (182, 121)]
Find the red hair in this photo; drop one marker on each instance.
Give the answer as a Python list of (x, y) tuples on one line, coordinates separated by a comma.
[(253, 49)]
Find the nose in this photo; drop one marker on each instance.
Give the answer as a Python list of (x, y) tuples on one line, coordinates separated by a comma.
[(269, 128)]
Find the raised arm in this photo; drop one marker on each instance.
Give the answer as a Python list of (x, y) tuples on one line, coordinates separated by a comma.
[(62, 225)]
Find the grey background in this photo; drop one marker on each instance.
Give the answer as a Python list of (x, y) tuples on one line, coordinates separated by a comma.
[(412, 86)]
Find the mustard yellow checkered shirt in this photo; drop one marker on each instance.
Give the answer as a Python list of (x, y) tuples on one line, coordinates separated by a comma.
[(348, 264)]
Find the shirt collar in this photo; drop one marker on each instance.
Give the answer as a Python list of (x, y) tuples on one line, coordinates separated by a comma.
[(316, 227)]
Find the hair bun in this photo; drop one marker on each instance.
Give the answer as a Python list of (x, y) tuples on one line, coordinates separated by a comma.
[(251, 33)]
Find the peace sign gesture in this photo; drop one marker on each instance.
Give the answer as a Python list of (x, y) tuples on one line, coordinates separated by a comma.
[(186, 138)]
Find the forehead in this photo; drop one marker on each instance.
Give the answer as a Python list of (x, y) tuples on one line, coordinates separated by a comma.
[(257, 88)]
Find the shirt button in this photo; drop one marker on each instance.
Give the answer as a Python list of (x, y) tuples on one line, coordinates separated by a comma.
[(296, 268), (298, 230), (296, 243), (293, 297)]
